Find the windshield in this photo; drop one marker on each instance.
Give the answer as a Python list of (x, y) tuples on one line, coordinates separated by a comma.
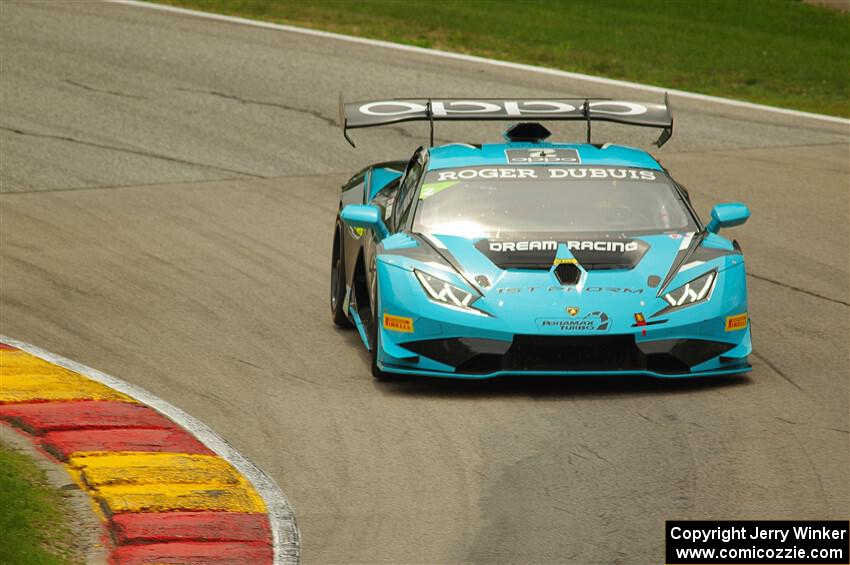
[(492, 200)]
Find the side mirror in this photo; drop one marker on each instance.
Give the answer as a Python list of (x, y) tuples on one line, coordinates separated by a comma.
[(727, 216), (364, 216)]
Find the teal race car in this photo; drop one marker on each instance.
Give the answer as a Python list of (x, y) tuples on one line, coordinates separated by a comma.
[(533, 257)]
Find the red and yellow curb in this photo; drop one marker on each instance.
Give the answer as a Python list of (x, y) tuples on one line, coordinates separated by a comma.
[(163, 496)]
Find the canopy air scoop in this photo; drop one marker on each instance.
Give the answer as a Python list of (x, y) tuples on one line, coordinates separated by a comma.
[(527, 131)]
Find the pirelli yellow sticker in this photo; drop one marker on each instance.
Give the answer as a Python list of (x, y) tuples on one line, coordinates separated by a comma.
[(398, 323), (562, 261), (737, 322)]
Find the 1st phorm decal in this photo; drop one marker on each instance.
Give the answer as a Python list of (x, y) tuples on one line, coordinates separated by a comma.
[(531, 289)]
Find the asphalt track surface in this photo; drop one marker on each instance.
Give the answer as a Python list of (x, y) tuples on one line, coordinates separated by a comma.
[(170, 185)]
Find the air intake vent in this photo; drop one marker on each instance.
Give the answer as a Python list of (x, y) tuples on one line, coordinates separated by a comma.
[(527, 131), (567, 273)]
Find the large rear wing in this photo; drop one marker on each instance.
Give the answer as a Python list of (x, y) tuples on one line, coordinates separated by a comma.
[(354, 115)]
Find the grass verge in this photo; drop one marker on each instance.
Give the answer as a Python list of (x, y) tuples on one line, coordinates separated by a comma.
[(777, 52), (33, 519)]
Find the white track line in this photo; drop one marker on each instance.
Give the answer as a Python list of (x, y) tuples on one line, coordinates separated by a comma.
[(485, 61), (285, 537)]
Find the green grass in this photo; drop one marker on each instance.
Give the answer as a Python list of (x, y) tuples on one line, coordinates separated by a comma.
[(33, 516), (778, 52)]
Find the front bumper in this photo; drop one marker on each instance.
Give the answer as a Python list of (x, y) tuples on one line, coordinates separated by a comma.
[(571, 355), (695, 341), (691, 375)]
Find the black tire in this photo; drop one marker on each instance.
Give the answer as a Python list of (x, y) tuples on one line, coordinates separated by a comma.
[(338, 282)]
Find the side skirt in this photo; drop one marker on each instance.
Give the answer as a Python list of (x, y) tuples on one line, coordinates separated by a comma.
[(358, 323)]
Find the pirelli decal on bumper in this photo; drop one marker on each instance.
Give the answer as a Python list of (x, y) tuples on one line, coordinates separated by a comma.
[(398, 323), (737, 322)]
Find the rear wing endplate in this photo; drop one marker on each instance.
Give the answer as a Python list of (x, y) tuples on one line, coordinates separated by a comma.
[(354, 115)]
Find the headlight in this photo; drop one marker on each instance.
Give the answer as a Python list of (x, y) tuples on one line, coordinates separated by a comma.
[(695, 291), (447, 294)]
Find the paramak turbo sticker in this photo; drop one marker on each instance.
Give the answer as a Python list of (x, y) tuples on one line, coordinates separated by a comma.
[(594, 321)]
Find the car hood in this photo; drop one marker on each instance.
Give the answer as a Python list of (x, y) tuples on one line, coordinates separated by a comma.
[(634, 261), (517, 276)]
